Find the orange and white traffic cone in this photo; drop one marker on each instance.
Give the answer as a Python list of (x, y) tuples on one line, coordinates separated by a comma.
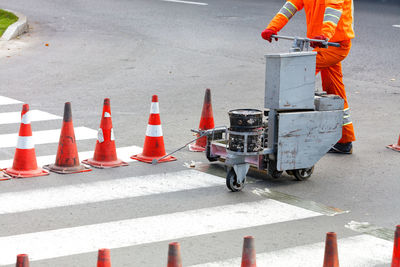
[(396, 248), (103, 258), (154, 142), (206, 123), (25, 164), (331, 258), (67, 159), (249, 252), (105, 154), (174, 255), (22, 260), (395, 147)]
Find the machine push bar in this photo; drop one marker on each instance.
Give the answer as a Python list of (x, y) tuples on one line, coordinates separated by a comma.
[(300, 43)]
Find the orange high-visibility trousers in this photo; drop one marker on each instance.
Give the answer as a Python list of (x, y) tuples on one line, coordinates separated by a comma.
[(330, 67)]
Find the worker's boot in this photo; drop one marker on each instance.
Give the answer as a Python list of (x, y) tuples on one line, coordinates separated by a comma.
[(342, 148)]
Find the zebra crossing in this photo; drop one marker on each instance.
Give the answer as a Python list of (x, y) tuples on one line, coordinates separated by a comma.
[(185, 210)]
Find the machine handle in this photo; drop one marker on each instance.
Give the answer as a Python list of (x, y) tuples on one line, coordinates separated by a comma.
[(306, 40)]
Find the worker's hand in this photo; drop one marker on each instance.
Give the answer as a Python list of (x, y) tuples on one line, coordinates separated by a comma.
[(318, 44), (267, 35)]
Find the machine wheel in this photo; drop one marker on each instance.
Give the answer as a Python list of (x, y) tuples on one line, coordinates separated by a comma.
[(276, 174), (303, 174), (231, 181)]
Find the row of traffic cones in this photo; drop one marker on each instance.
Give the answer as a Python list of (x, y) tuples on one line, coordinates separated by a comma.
[(331, 258), (67, 158)]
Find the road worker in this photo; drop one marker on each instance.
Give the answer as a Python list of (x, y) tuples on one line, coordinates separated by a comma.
[(330, 20)]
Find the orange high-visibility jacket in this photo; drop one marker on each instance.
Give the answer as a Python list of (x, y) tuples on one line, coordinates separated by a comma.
[(332, 18)]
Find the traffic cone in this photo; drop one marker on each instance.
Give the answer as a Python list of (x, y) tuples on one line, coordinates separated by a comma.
[(331, 258), (22, 260), (395, 147), (174, 255), (25, 164), (396, 248), (206, 123), (154, 142), (105, 154), (249, 252), (67, 159), (103, 258)]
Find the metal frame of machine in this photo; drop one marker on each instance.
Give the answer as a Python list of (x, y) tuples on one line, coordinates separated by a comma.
[(300, 126)]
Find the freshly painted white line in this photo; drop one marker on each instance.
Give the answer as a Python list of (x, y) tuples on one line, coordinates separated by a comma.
[(396, 26), (357, 251), (186, 2), (34, 115), (105, 190), (123, 153), (47, 137), (88, 238), (8, 101)]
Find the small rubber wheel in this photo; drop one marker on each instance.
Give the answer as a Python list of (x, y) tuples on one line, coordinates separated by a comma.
[(231, 181), (276, 174), (303, 174)]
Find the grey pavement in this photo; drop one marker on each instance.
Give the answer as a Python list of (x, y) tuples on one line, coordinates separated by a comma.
[(129, 50)]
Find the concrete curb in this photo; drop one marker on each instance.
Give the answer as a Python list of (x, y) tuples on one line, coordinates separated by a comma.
[(17, 28)]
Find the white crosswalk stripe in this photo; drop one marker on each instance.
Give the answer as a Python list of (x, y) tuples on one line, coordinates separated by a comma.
[(8, 101), (357, 251), (105, 190), (35, 115), (47, 136), (76, 240)]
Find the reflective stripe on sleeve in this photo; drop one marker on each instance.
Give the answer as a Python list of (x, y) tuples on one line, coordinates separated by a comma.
[(154, 130), (25, 142), (332, 15), (288, 10)]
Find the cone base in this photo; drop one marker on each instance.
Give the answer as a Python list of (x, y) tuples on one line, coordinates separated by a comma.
[(25, 174), (142, 158), (66, 170), (104, 164), (394, 147), (196, 148)]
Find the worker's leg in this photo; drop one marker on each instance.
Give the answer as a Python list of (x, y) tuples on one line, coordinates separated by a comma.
[(328, 63), (332, 83)]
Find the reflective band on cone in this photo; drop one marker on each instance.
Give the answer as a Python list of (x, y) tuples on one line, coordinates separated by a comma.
[(105, 153), (25, 164), (154, 141)]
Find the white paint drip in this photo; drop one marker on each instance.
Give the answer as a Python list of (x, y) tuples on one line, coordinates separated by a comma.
[(88, 238), (100, 136), (48, 136), (124, 153), (186, 2), (357, 251)]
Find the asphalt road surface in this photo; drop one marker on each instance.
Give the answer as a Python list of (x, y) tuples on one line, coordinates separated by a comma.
[(128, 50)]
